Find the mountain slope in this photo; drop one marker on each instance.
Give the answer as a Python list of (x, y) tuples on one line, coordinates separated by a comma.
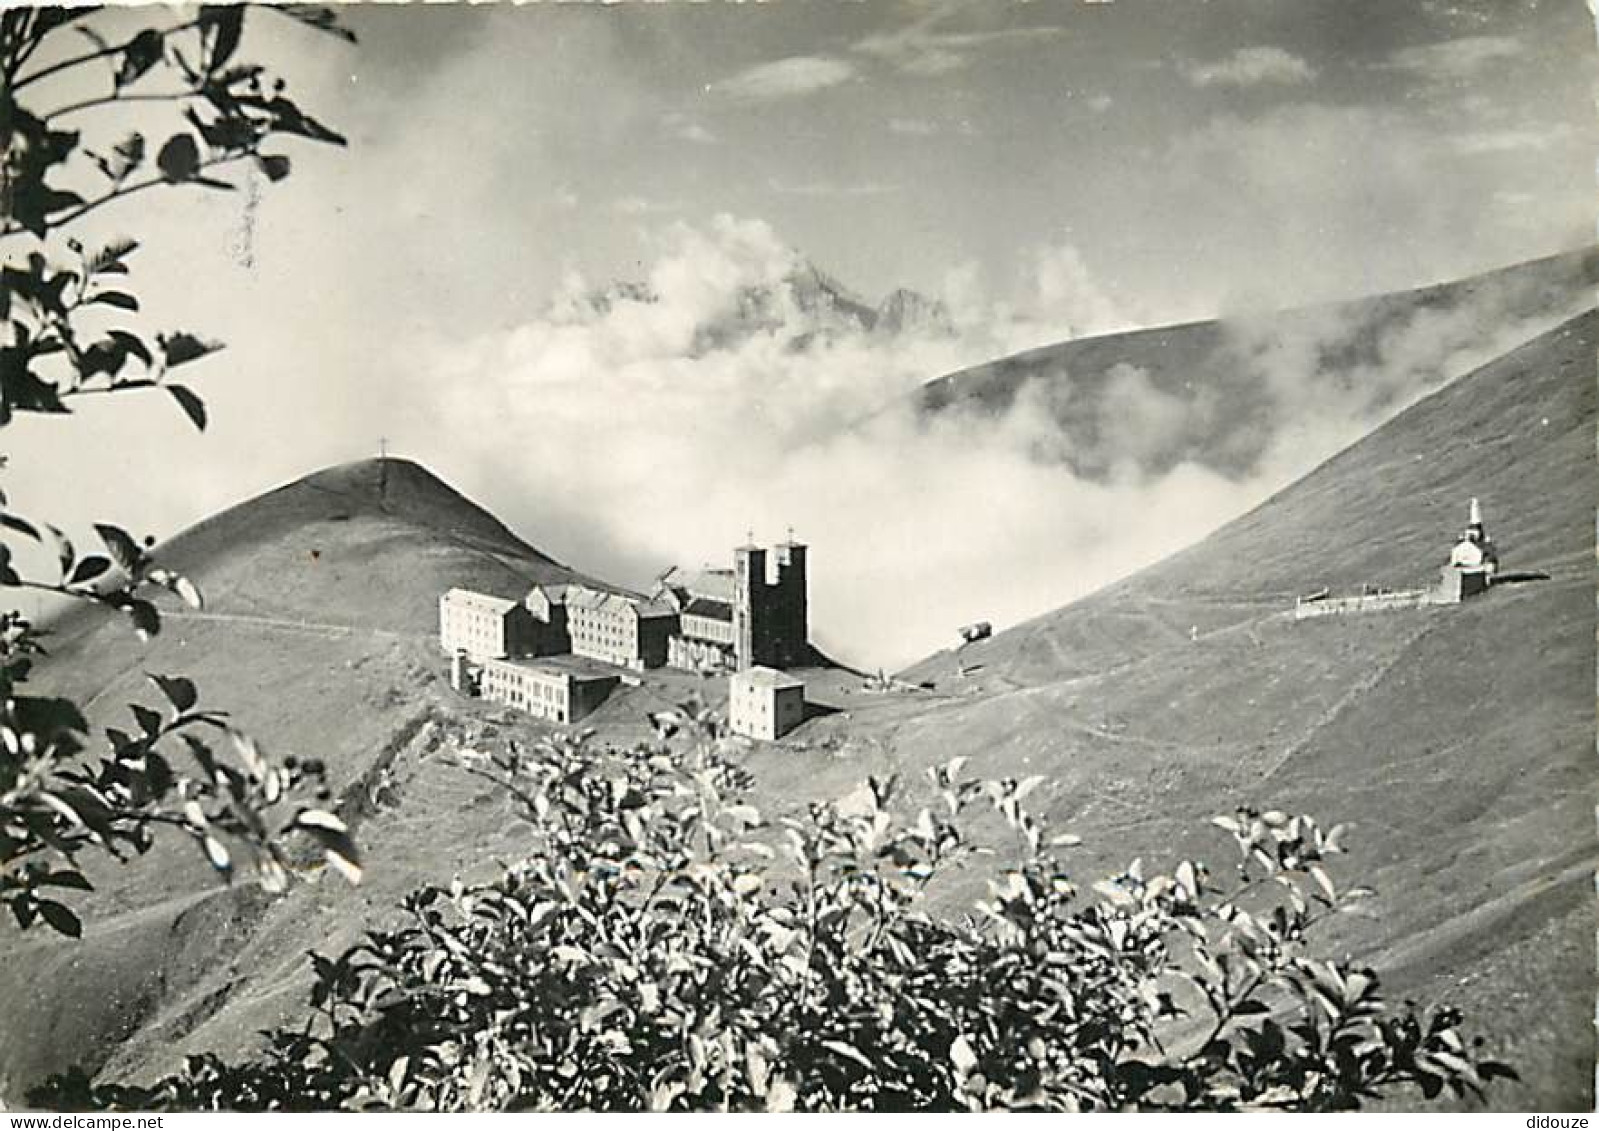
[(1516, 433), (1219, 393), (1458, 740), (318, 636)]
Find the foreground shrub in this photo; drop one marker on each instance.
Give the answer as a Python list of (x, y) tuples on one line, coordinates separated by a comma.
[(662, 946)]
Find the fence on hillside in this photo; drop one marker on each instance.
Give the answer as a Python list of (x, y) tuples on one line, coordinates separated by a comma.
[(1321, 605)]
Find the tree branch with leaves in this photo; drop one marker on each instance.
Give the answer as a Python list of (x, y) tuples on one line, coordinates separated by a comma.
[(66, 311)]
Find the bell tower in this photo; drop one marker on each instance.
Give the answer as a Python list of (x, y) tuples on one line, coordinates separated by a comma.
[(792, 611), (750, 621)]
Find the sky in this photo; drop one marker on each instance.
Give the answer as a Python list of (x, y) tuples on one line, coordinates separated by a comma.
[(1047, 170)]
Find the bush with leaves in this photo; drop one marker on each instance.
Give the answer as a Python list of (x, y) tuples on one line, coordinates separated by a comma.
[(662, 945), (64, 308)]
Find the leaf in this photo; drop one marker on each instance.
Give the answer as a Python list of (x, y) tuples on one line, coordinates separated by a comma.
[(61, 918), (1027, 785), (124, 550), (250, 754), (149, 721), (273, 878), (189, 592), (102, 357), (132, 344), (88, 569), (178, 689), (313, 15), (24, 390), (142, 52), (127, 155), (20, 525), (1323, 881), (345, 859), (77, 881), (217, 852), (119, 299), (275, 166), (850, 1052), (962, 1056), (221, 27), (146, 618), (192, 405), (179, 159), (181, 347), (320, 819), (157, 773), (781, 1095)]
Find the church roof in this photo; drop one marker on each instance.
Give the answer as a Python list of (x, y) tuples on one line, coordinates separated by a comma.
[(705, 607), (715, 584)]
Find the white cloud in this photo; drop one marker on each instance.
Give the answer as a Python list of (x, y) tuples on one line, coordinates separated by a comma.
[(1511, 140), (626, 437), (1253, 66), (920, 49), (913, 127), (787, 78), (1456, 59), (1062, 296)]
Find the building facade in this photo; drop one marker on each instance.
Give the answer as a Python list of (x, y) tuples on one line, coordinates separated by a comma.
[(715, 620), (546, 604), (764, 703), (1472, 563), (556, 694), (482, 626), (615, 628)]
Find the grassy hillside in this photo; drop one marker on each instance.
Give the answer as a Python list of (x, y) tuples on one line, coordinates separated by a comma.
[(1216, 393), (1458, 740)]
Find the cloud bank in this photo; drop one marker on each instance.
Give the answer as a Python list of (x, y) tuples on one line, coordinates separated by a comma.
[(632, 427), (653, 424)]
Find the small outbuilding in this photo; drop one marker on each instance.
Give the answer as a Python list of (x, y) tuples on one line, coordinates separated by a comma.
[(765, 703)]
